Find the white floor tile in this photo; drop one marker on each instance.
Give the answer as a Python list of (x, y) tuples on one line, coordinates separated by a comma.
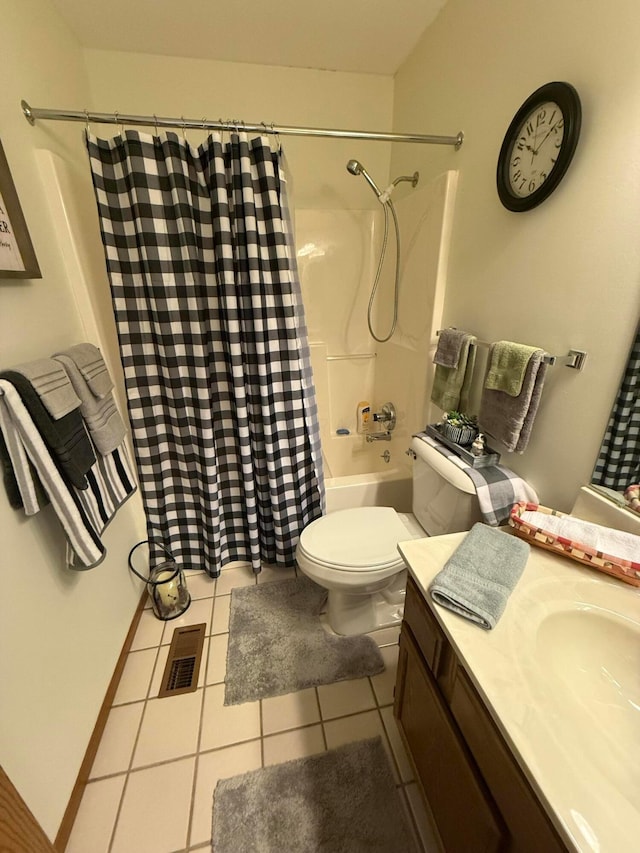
[(232, 578), (96, 816), (290, 711), (384, 683), (345, 697), (212, 766), (223, 725), (136, 676), (149, 633), (200, 585), (155, 809), (270, 574), (169, 729), (118, 739), (294, 744), (221, 607), (197, 612), (217, 665), (422, 818), (397, 746), (385, 636)]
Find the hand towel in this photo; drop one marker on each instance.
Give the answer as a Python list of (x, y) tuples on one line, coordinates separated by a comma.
[(480, 575), (52, 386), (510, 419), (451, 386), (65, 437), (101, 416), (607, 540), (90, 363), (507, 367), (449, 346)]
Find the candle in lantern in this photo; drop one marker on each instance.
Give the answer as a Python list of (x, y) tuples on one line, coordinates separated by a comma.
[(168, 592)]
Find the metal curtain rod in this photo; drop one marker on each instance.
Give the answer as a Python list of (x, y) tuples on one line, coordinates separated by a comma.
[(33, 113)]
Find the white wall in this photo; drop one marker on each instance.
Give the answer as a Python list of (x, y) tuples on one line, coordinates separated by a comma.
[(566, 274), (60, 631), (145, 84)]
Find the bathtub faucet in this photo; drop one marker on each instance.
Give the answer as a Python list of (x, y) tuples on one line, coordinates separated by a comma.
[(378, 436)]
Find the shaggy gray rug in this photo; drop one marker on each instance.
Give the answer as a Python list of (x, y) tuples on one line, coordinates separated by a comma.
[(277, 644), (341, 801)]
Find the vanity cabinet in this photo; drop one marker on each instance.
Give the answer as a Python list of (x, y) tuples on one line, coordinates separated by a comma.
[(480, 800)]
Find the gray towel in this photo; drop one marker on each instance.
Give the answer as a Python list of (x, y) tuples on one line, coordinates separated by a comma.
[(451, 385), (52, 385), (510, 419), (90, 363), (480, 575), (100, 415), (449, 347)]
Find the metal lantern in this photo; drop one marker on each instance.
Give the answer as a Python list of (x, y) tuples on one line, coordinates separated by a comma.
[(166, 585)]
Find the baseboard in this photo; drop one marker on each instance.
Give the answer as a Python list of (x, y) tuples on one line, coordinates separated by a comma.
[(73, 805)]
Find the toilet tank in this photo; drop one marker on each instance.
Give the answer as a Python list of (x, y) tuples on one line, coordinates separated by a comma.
[(444, 498)]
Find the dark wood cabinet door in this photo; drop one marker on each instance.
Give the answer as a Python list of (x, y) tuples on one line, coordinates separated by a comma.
[(463, 810)]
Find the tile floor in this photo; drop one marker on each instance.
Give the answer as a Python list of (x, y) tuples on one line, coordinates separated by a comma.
[(152, 781)]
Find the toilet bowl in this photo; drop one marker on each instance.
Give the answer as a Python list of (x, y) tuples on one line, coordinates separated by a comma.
[(353, 553)]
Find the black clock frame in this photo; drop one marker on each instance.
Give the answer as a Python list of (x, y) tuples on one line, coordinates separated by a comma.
[(567, 99)]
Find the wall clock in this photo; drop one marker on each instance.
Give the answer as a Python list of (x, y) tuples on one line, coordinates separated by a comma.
[(538, 146)]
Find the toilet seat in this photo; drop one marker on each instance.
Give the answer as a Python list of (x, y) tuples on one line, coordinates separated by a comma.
[(358, 540)]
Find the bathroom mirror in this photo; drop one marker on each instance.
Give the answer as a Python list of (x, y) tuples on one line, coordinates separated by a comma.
[(617, 468)]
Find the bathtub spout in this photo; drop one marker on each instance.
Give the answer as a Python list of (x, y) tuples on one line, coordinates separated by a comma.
[(378, 436)]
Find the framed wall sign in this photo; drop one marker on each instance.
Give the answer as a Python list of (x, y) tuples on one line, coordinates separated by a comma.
[(17, 258)]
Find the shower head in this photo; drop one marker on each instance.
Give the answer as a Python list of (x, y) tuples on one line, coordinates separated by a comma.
[(356, 168)]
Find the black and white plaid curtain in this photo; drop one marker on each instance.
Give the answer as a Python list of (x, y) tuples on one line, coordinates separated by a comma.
[(618, 465), (211, 327)]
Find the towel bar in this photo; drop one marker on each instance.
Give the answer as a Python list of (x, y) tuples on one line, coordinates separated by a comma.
[(575, 358)]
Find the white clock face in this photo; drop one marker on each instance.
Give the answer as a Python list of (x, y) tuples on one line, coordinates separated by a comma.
[(536, 149)]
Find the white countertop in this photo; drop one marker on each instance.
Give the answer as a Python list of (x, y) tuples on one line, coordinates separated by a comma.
[(560, 675)]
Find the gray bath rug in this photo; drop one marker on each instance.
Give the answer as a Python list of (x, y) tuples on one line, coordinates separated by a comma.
[(277, 644), (341, 801)]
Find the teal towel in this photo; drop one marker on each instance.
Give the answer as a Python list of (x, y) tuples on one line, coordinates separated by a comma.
[(507, 366), (480, 575), (451, 385)]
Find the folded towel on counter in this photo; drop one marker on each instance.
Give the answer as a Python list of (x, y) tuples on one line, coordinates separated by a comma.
[(507, 366), (52, 386), (65, 437), (510, 419), (450, 343), (497, 487), (607, 540), (100, 414), (88, 359), (480, 575), (25, 444), (451, 385)]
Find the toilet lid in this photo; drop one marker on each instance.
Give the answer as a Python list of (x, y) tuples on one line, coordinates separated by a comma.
[(356, 539)]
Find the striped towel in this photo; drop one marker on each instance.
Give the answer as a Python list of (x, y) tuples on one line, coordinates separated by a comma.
[(100, 414), (90, 363), (25, 444), (52, 385), (498, 488)]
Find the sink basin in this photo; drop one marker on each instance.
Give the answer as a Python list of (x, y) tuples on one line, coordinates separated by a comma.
[(588, 664)]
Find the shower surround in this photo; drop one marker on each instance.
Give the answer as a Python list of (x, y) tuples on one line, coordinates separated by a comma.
[(338, 252)]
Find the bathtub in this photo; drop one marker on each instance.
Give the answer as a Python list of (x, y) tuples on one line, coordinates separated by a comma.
[(382, 488)]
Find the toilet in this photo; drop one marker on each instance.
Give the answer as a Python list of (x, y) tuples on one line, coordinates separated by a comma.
[(353, 552)]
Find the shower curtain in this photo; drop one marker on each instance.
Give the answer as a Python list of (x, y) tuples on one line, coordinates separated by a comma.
[(618, 464), (210, 323)]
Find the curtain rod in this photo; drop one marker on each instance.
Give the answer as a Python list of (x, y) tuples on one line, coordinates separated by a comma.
[(33, 113)]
